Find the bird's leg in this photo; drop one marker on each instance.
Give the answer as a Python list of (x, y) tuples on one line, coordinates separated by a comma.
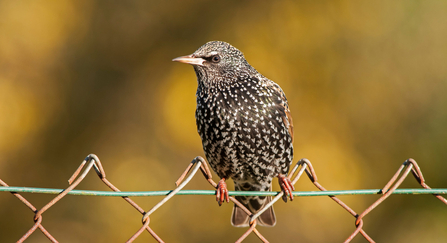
[(286, 186), (222, 192)]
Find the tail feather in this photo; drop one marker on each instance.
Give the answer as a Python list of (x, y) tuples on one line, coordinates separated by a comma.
[(241, 219), (268, 217)]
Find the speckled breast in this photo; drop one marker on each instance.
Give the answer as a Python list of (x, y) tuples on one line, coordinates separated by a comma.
[(242, 131)]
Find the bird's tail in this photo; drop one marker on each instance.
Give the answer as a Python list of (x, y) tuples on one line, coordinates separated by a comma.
[(254, 204)]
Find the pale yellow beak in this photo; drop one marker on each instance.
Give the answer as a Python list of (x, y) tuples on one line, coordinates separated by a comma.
[(190, 60)]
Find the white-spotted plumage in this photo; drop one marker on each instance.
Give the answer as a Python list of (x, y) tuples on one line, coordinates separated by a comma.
[(245, 125)]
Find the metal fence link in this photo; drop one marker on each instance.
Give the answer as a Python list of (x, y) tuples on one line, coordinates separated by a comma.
[(37, 223), (304, 165)]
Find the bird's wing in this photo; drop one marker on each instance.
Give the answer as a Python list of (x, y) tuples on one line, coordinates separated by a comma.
[(287, 119), (284, 105)]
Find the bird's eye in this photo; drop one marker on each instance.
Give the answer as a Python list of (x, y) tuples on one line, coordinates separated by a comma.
[(216, 58)]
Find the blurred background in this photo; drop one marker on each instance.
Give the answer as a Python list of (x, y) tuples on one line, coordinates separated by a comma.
[(366, 83)]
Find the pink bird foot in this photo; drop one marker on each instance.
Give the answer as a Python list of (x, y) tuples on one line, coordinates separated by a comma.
[(222, 192), (286, 187)]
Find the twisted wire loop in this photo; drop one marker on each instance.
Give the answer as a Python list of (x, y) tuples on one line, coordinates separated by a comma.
[(391, 186), (304, 165), (417, 173), (180, 186), (37, 223)]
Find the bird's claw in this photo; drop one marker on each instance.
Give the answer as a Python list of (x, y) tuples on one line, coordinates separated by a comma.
[(222, 192), (286, 186)]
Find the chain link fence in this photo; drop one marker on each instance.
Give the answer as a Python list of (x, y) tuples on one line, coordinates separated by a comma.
[(304, 165)]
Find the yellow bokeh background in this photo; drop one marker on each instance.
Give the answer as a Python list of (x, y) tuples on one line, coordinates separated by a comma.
[(366, 83)]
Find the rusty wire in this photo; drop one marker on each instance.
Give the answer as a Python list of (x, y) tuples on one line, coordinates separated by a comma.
[(304, 165)]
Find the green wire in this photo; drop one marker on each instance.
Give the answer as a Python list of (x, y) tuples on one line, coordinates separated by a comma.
[(213, 192)]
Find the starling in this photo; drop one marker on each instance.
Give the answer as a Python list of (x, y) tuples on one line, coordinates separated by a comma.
[(244, 121)]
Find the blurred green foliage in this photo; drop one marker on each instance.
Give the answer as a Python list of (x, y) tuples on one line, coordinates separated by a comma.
[(366, 83)]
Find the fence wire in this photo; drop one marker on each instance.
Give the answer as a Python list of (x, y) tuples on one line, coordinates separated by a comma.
[(304, 165)]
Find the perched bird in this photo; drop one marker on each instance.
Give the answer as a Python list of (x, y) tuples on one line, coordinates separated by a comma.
[(244, 121)]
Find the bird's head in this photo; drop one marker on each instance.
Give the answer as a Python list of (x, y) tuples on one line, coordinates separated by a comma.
[(217, 61)]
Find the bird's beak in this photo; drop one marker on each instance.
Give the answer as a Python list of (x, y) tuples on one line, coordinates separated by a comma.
[(190, 60)]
